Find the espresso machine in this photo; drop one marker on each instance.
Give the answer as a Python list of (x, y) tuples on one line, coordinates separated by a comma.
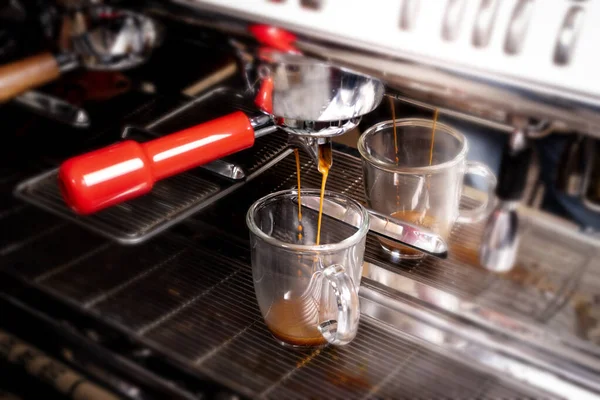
[(149, 294)]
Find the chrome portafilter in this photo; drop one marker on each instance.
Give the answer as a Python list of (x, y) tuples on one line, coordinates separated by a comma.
[(311, 100), (103, 39)]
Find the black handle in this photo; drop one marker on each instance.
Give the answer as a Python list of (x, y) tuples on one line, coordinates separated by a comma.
[(514, 168), (592, 179), (571, 168)]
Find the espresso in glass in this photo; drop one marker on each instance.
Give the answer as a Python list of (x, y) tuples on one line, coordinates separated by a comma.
[(307, 292), (411, 178)]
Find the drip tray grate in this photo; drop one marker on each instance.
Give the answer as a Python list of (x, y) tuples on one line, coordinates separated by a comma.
[(199, 307), (170, 201), (173, 199), (538, 282), (192, 299)]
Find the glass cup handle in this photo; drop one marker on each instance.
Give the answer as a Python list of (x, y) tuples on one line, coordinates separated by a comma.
[(343, 330), (483, 210)]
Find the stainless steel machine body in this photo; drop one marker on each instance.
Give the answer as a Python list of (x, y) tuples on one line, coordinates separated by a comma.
[(433, 328)]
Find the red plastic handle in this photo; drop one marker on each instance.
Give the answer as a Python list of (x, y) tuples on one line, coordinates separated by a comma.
[(264, 97), (123, 171), (274, 37)]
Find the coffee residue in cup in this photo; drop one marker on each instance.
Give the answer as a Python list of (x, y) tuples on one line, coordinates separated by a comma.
[(292, 322)]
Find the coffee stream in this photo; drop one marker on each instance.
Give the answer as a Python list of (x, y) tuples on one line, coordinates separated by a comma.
[(325, 162), (435, 117), (295, 320), (396, 159), (412, 216)]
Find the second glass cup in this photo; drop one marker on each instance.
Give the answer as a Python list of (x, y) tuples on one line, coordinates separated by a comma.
[(408, 178)]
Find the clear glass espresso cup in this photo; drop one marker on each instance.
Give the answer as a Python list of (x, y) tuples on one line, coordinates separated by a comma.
[(407, 178), (307, 293)]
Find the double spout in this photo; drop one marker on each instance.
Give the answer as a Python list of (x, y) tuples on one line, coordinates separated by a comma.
[(310, 145)]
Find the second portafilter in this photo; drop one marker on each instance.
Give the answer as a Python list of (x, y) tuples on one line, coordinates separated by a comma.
[(107, 39)]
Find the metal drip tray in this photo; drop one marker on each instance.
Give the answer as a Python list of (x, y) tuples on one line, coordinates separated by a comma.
[(188, 295), (193, 300)]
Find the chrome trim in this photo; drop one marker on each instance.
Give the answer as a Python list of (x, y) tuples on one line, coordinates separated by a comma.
[(226, 169), (484, 22), (453, 19), (409, 14), (497, 99), (465, 341), (517, 29), (390, 228), (569, 33)]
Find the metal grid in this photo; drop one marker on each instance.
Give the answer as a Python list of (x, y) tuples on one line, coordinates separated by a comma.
[(59, 244), (193, 299), (172, 287), (265, 149), (109, 268), (170, 201), (199, 306), (547, 266), (173, 199), (546, 271), (378, 363), (130, 221), (23, 225), (580, 313)]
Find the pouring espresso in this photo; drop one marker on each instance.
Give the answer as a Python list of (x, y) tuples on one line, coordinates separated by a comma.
[(310, 100)]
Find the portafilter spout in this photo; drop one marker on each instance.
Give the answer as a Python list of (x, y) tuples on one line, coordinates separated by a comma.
[(308, 97), (305, 97)]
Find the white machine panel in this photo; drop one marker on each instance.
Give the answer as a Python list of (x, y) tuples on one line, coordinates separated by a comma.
[(547, 43)]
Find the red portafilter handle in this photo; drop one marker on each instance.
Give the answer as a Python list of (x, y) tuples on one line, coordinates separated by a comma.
[(123, 171), (274, 37)]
